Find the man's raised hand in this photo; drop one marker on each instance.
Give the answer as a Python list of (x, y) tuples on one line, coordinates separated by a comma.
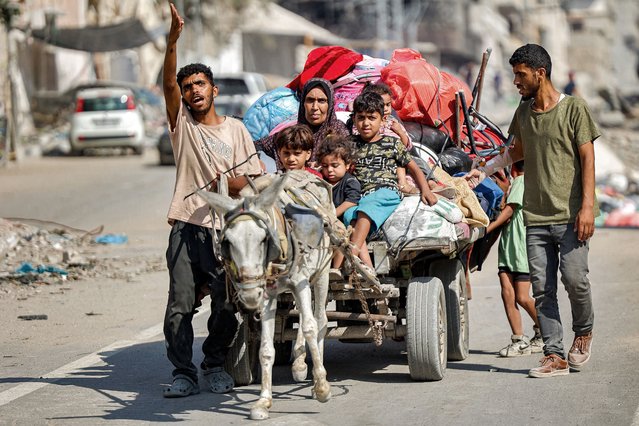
[(177, 23)]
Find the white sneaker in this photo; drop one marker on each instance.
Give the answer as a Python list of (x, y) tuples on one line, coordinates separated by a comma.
[(519, 346), (537, 344)]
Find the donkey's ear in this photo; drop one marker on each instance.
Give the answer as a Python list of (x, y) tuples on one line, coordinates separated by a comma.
[(222, 204), (270, 194)]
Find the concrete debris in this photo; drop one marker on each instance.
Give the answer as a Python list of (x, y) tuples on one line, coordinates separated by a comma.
[(32, 256)]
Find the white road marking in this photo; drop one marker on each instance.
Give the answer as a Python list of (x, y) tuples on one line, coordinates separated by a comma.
[(94, 358), (635, 420)]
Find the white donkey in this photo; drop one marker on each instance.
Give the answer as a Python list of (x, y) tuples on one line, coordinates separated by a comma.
[(260, 269)]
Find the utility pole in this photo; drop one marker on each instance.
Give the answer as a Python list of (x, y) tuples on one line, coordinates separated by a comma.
[(8, 11)]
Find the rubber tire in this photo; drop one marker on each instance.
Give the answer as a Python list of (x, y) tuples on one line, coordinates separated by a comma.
[(167, 160), (426, 329), (453, 277), (242, 359)]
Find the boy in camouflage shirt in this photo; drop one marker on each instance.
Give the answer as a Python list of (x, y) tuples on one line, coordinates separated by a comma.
[(377, 159)]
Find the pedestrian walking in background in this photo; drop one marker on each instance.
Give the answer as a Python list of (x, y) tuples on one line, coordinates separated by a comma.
[(570, 88)]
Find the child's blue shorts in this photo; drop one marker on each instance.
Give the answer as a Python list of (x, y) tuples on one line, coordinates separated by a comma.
[(377, 205)]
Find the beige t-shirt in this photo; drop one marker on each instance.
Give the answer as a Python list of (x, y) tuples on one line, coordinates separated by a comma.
[(201, 152)]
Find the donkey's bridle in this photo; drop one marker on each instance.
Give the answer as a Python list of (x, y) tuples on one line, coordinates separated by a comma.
[(242, 213)]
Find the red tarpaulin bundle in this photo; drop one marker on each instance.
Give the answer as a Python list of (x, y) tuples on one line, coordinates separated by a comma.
[(329, 62), (421, 92)]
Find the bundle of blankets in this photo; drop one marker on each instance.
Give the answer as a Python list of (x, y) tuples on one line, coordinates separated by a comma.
[(424, 97)]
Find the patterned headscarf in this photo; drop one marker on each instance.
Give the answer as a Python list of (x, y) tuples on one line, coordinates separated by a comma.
[(332, 125)]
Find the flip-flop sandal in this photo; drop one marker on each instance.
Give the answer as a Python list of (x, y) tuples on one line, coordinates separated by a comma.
[(335, 274), (370, 271), (182, 386), (219, 380)]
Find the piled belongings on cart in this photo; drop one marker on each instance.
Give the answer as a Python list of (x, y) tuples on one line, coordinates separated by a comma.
[(433, 107)]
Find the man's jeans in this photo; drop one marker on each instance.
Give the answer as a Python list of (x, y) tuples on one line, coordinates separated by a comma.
[(192, 266), (551, 248)]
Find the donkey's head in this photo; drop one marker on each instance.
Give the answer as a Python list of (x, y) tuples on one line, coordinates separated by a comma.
[(248, 241)]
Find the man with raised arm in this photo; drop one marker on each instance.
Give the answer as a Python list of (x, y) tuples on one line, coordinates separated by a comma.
[(205, 145)]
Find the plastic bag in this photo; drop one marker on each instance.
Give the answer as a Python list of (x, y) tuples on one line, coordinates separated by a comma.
[(422, 93), (428, 136), (454, 160)]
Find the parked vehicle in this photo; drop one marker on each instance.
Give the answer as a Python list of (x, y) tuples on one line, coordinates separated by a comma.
[(239, 90), (165, 150), (106, 118), (56, 108)]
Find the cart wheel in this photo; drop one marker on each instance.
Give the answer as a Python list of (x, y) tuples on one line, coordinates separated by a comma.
[(451, 273), (242, 360), (426, 329)]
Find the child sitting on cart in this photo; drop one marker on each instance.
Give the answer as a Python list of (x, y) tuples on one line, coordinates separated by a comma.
[(336, 157), (376, 161), (392, 127), (295, 147)]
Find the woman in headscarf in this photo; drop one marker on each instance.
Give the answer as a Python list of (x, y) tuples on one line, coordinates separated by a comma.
[(317, 112)]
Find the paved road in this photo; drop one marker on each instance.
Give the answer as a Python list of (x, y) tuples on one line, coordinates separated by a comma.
[(110, 368)]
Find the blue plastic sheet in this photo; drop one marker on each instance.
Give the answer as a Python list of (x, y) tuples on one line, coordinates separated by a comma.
[(28, 268), (111, 239)]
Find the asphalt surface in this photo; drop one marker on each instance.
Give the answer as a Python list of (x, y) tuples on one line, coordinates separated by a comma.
[(110, 367)]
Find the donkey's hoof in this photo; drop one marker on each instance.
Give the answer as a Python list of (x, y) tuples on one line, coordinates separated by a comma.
[(259, 413), (299, 373), (260, 409), (322, 392)]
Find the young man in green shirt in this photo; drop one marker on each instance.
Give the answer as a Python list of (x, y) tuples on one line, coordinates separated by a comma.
[(555, 135)]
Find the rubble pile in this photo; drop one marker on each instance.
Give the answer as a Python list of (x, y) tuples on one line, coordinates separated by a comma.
[(31, 256)]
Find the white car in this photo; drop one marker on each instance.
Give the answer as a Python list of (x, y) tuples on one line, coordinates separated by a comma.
[(237, 92), (106, 118)]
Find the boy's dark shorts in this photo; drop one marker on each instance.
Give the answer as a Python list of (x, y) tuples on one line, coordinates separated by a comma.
[(517, 276)]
